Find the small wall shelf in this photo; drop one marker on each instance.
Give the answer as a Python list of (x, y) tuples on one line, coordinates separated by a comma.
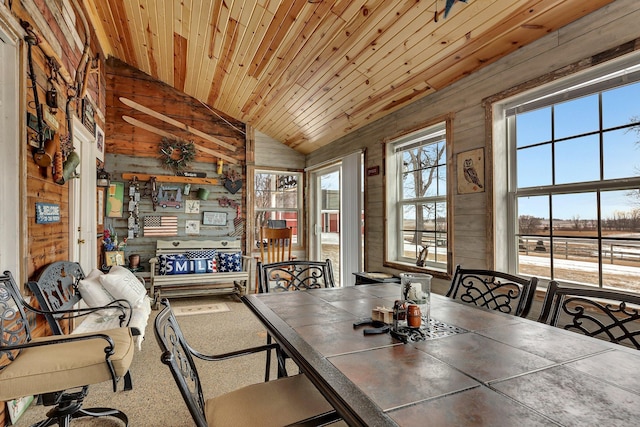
[(170, 178)]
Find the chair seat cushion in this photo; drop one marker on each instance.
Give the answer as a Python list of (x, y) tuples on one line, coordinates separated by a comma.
[(273, 403), (62, 366)]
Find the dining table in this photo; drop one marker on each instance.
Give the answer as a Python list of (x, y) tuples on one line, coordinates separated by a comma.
[(470, 366)]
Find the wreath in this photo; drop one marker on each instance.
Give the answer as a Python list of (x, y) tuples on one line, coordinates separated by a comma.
[(177, 154)]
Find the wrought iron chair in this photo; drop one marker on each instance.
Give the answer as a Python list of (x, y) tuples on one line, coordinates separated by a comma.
[(290, 400), (59, 368), (56, 290), (292, 275), (494, 290), (595, 312)]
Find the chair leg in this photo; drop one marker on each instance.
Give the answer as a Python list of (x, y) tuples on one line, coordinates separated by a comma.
[(282, 369), (102, 412), (128, 383), (268, 365), (69, 406)]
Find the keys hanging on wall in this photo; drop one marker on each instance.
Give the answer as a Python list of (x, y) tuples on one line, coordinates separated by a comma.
[(133, 223)]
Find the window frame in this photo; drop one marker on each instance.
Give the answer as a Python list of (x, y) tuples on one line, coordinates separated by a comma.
[(394, 205), (298, 240), (592, 81)]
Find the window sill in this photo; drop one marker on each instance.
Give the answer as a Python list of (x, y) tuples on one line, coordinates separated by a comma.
[(439, 274)]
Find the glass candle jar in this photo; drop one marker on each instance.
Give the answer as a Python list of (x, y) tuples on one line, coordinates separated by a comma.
[(416, 287)]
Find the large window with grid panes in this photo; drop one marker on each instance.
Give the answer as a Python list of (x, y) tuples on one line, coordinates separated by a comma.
[(574, 198), (417, 231)]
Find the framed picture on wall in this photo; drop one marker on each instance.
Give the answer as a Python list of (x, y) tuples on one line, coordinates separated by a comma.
[(99, 143), (115, 199), (470, 171), (214, 218)]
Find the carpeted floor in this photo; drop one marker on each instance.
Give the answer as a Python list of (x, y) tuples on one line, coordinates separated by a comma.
[(155, 399)]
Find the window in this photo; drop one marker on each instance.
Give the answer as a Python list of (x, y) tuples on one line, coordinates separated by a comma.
[(417, 198), (278, 201), (575, 178)]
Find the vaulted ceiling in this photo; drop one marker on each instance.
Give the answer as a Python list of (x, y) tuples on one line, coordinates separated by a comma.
[(307, 72)]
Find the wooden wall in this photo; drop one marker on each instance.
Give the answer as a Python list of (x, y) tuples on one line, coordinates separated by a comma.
[(472, 230), (135, 149), (61, 38)]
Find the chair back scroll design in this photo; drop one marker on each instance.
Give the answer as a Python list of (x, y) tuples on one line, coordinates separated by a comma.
[(595, 312), (295, 275), (64, 389), (14, 325), (177, 354), (56, 290), (494, 290)]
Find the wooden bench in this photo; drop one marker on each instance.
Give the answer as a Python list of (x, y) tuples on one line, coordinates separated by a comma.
[(194, 284), (57, 292)]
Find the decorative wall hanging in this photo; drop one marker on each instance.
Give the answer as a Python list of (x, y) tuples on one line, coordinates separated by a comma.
[(115, 199), (133, 223), (170, 197), (47, 213), (88, 115), (192, 227), (176, 154), (160, 226), (192, 206), (228, 203), (214, 218), (232, 181), (99, 143), (470, 171)]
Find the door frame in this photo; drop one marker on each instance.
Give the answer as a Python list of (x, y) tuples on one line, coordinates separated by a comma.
[(351, 203), (83, 226), (13, 216)]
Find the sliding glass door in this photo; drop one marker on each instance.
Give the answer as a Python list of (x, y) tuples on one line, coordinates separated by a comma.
[(336, 216)]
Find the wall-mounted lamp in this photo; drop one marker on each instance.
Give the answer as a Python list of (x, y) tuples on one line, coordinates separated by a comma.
[(103, 178)]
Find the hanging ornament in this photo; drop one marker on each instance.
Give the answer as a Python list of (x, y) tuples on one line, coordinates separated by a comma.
[(449, 5)]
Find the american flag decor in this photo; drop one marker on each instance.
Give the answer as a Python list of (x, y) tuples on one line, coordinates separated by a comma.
[(160, 226)]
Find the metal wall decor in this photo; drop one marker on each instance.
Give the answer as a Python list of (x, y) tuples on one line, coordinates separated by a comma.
[(133, 223)]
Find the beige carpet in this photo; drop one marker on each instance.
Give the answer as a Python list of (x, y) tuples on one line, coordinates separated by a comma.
[(155, 399)]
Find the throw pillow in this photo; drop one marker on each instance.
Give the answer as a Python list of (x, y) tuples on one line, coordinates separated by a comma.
[(174, 264), (206, 253), (92, 291), (202, 261), (229, 261), (123, 284)]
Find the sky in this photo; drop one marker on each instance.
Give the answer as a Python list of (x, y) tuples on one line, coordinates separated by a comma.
[(578, 159)]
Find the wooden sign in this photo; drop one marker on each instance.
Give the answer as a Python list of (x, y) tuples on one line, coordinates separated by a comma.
[(47, 213)]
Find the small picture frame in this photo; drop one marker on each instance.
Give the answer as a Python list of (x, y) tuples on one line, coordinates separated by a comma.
[(99, 143), (192, 227), (114, 258), (214, 218), (470, 172)]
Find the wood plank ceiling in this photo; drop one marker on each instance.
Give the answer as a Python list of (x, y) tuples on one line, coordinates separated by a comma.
[(307, 72)]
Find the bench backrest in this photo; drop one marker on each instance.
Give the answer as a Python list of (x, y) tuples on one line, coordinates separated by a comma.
[(56, 289), (181, 246)]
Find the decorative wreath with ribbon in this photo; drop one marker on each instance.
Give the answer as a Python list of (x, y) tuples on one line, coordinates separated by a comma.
[(176, 154)]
